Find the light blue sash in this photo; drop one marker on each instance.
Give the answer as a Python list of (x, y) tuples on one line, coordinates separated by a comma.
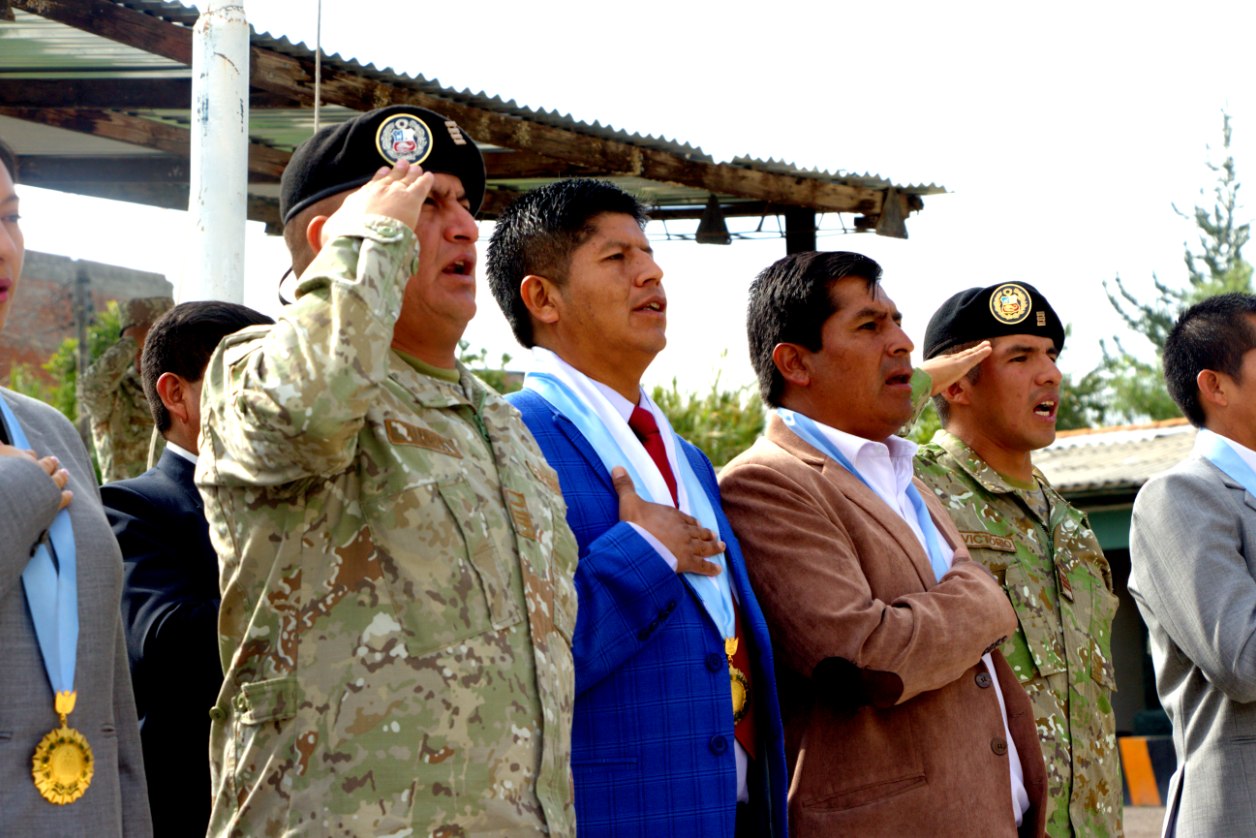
[(806, 428), (51, 589), (714, 591), (1216, 450)]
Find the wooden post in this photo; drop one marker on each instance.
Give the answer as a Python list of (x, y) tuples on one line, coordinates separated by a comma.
[(800, 230)]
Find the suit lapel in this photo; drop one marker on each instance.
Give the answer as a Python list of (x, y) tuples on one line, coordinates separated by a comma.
[(1230, 483), (854, 490)]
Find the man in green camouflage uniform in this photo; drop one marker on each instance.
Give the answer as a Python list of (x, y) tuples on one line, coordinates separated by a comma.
[(111, 393), (1040, 548), (397, 572)]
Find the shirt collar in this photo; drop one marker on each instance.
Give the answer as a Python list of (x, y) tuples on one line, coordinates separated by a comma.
[(181, 452), (1203, 440), (860, 451)]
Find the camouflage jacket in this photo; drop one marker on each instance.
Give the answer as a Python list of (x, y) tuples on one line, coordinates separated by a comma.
[(112, 395), (397, 577), (1054, 572)]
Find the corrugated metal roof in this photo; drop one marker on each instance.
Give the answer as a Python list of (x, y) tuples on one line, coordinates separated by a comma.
[(1116, 459), (45, 48)]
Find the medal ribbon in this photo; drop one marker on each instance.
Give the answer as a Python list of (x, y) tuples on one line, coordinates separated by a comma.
[(1214, 448), (616, 445), (52, 591), (806, 428)]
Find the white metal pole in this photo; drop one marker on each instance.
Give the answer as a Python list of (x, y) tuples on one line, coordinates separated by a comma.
[(218, 195)]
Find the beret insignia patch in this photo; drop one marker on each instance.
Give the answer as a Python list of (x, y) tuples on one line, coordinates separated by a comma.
[(404, 136), (1010, 303)]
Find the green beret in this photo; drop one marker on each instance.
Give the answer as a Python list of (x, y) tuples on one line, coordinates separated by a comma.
[(345, 156), (1009, 308)]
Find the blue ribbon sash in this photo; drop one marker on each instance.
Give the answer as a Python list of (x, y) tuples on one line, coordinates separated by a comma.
[(714, 591), (51, 587)]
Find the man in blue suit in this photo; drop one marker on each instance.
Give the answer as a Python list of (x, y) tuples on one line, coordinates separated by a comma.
[(677, 729), (170, 593)]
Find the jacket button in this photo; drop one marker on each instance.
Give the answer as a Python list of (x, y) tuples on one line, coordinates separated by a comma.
[(714, 662), (718, 744), (998, 745), (217, 714), (983, 680)]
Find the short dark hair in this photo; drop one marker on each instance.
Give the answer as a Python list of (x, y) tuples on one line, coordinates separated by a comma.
[(181, 342), (1213, 334), (789, 302), (940, 404), (9, 159), (538, 233)]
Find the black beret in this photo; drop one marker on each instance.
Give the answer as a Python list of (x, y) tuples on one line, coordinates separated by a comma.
[(1009, 308), (345, 156)]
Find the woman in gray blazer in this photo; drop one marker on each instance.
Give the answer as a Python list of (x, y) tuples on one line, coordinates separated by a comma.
[(52, 781)]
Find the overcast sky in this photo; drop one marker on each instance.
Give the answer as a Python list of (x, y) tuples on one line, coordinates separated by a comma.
[(1064, 134)]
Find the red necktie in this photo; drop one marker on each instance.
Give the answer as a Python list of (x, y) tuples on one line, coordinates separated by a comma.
[(647, 430)]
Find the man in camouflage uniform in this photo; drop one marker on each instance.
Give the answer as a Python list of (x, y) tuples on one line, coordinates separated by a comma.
[(396, 571), (111, 393), (1040, 548)]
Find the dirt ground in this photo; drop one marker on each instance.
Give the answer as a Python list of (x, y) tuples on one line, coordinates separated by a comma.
[(1143, 821)]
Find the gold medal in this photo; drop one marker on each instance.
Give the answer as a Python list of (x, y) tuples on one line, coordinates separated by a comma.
[(738, 682), (63, 765)]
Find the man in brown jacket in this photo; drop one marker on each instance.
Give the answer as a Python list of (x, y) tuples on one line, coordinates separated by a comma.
[(899, 716)]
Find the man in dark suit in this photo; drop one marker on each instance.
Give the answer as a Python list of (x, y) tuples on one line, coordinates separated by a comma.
[(170, 595), (676, 729)]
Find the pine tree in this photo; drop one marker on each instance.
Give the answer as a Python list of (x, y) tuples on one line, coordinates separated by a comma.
[(1135, 386)]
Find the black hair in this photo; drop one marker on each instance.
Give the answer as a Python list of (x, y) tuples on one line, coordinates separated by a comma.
[(1213, 334), (9, 159), (789, 302), (181, 342), (538, 233)]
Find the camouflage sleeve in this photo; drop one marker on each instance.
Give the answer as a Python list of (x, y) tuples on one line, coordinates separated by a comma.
[(287, 402), (921, 393), (97, 386)]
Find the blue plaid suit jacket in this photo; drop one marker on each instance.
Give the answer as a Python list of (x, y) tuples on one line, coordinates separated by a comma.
[(652, 739)]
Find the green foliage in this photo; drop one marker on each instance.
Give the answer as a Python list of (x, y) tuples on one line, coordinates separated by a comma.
[(497, 376), (925, 426), (723, 423), (1083, 403), (1132, 387), (62, 367)]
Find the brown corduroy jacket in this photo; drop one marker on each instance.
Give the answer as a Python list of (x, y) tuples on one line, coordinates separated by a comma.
[(891, 723)]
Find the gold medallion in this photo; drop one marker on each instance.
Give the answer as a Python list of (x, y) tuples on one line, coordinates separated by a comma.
[(739, 684), (63, 765)]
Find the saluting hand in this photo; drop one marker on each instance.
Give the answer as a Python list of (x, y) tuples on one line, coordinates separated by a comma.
[(689, 542), (51, 466), (398, 192), (945, 370)]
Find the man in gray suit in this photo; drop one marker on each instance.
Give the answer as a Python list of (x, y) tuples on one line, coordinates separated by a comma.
[(1193, 550)]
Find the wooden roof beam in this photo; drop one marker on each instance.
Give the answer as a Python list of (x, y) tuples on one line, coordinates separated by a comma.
[(285, 75), (117, 23), (264, 161), (292, 78)]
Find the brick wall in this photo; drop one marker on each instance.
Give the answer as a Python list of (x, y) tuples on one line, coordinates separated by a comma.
[(42, 314)]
